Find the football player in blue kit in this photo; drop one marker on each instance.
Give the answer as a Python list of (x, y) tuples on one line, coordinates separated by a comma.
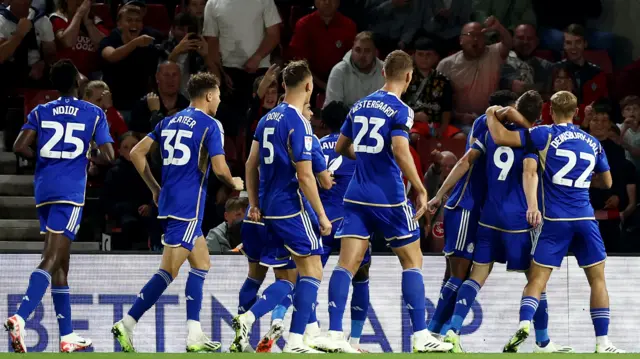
[(277, 297), (280, 168), (375, 135), (503, 234), (189, 141), (571, 161), (63, 130), (342, 168), (461, 214)]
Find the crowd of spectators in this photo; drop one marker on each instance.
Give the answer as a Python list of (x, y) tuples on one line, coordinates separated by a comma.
[(136, 69)]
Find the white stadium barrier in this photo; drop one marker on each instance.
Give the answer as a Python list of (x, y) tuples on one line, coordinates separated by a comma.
[(105, 286)]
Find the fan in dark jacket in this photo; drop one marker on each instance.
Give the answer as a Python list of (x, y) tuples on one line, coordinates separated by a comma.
[(128, 202)]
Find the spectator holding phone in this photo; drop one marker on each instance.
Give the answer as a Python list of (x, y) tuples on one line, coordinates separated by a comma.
[(186, 47)]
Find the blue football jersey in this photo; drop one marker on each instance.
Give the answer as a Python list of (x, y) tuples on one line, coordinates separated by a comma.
[(469, 192), (187, 140), (285, 138), (65, 128), (370, 124), (505, 205), (568, 158), (318, 162), (342, 168)]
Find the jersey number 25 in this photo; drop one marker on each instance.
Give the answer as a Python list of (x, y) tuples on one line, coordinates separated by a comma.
[(58, 132)]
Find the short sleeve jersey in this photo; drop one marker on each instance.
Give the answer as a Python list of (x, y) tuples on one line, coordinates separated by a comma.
[(342, 169), (285, 138), (370, 124), (568, 158), (469, 192), (505, 205), (187, 141), (65, 128)]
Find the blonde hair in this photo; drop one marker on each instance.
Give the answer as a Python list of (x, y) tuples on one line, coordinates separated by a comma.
[(95, 85), (564, 104), (397, 64)]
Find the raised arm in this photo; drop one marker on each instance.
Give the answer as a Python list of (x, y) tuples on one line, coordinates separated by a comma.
[(501, 136)]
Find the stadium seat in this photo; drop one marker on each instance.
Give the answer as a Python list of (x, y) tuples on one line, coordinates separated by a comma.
[(600, 58), (157, 17), (103, 12), (545, 54), (33, 98)]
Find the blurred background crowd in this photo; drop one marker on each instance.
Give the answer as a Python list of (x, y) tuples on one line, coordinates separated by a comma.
[(136, 57)]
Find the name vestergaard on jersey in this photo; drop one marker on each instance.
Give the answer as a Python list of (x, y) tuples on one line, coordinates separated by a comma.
[(569, 135), (186, 120), (65, 110), (379, 105)]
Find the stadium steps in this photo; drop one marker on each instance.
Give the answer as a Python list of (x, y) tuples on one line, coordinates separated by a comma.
[(16, 185), (18, 208), (7, 163), (20, 230)]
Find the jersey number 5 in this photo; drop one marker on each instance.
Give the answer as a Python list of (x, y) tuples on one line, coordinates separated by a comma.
[(374, 135), (581, 182), (59, 131), (186, 152)]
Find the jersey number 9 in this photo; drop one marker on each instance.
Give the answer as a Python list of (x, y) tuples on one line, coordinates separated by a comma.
[(179, 146), (504, 166), (59, 131), (373, 134)]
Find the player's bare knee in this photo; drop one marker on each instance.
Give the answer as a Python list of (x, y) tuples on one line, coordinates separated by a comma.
[(309, 266), (257, 271), (480, 273), (59, 278), (350, 261), (286, 274), (459, 267), (51, 262)]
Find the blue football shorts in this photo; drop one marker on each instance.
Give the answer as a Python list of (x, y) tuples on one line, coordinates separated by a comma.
[(60, 218), (179, 233), (512, 249), (460, 226), (559, 237), (395, 223), (257, 247)]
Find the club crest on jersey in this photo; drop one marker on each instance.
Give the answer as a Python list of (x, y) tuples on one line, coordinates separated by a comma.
[(308, 143)]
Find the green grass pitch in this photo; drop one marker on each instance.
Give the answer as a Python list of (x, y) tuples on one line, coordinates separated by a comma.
[(275, 356)]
